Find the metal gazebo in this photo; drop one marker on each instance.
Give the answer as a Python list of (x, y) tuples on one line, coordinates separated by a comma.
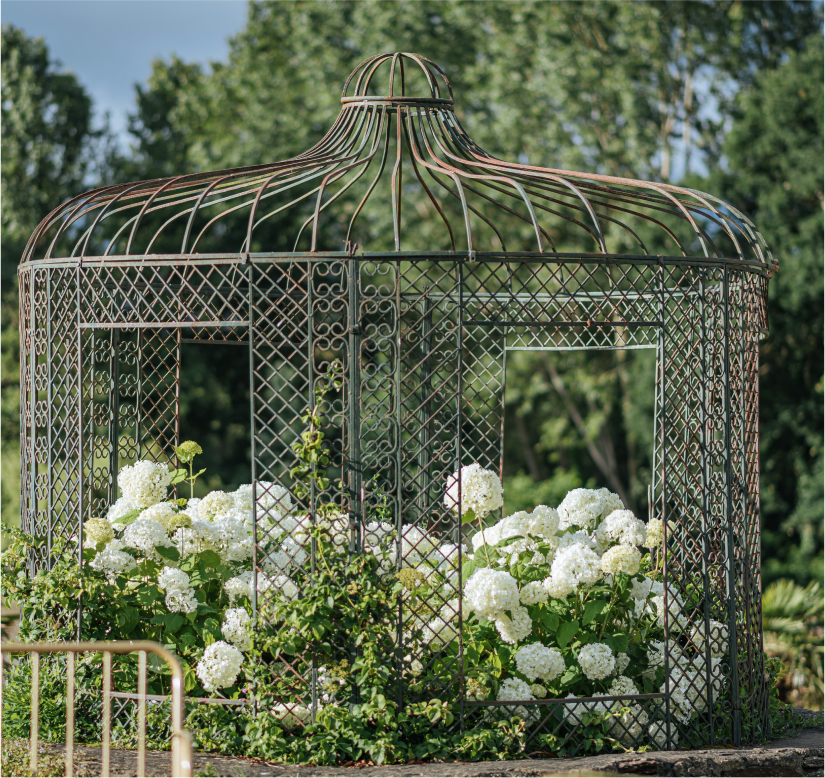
[(458, 264)]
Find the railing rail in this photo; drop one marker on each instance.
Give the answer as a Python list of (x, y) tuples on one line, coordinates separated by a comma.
[(181, 739)]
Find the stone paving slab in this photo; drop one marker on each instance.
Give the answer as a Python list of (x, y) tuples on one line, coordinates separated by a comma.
[(798, 756)]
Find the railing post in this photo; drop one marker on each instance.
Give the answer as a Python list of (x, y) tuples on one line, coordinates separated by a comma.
[(35, 712), (70, 661), (141, 754), (107, 711)]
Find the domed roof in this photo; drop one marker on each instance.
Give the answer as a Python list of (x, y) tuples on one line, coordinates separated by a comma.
[(398, 156)]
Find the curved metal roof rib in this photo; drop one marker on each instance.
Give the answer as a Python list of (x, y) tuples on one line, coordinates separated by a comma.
[(378, 141)]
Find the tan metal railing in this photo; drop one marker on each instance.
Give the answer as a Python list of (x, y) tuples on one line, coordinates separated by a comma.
[(181, 739)]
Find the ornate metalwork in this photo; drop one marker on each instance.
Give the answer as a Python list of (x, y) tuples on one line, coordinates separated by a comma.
[(114, 281)]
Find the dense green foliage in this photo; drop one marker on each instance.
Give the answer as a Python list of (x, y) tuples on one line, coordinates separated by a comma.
[(774, 174)]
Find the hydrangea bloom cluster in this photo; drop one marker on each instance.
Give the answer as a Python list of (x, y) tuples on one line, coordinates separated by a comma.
[(113, 560), (219, 666), (144, 483), (236, 628), (180, 596), (480, 490), (578, 563)]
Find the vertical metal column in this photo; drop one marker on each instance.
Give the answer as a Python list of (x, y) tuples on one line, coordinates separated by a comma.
[(114, 410), (425, 386), (731, 555), (354, 390)]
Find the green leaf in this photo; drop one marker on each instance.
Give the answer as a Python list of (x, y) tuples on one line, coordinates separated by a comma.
[(468, 517), (467, 569), (213, 627), (168, 552), (210, 559), (593, 609), (174, 622), (130, 517), (617, 642), (566, 633), (177, 476), (550, 621), (190, 680)]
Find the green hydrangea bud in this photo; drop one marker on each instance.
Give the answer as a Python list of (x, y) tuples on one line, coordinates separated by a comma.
[(410, 578), (98, 530), (187, 450), (176, 521)]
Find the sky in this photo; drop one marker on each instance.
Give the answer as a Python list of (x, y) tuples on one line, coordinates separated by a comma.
[(110, 44)]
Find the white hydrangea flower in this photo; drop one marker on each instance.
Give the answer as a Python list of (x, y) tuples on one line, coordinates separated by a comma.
[(580, 537), (621, 559), (144, 483), (180, 596), (622, 661), (290, 555), (199, 537), (237, 628), (654, 536), (449, 611), (585, 508), (640, 589), (656, 656), (538, 661), (538, 691), (97, 530), (112, 560), (283, 585), (628, 725), (416, 545), (657, 732), (171, 579), (574, 713), (574, 565), (533, 593), (378, 533), (181, 601), (543, 521), (121, 507), (273, 500), (216, 503), (480, 491), (446, 556), (488, 536), (596, 661), (622, 686), (514, 689), (489, 592), (234, 543), (718, 638), (620, 527), (146, 535), (516, 629), (291, 716), (219, 666), (676, 618), (160, 512), (193, 509), (439, 632)]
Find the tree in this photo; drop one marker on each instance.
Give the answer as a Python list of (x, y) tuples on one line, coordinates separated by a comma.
[(47, 134), (774, 174)]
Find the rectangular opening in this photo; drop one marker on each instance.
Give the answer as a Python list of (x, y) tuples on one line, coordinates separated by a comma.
[(578, 418)]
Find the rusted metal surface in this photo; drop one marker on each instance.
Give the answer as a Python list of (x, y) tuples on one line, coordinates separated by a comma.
[(114, 282)]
